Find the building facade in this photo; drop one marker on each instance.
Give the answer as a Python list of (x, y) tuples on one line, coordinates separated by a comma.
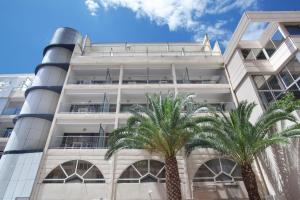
[(12, 88), (82, 91), (263, 64)]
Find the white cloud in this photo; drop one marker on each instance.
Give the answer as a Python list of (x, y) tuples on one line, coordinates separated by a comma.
[(186, 14), (254, 30), (92, 6)]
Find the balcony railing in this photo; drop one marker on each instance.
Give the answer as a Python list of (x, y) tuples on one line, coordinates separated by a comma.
[(6, 132), (11, 111), (166, 49), (88, 108), (203, 108), (127, 107), (79, 142), (95, 82), (197, 82)]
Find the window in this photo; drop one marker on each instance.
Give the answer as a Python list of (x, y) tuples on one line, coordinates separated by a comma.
[(253, 54), (294, 67), (277, 38), (75, 171), (293, 29), (274, 43), (144, 171), (218, 170)]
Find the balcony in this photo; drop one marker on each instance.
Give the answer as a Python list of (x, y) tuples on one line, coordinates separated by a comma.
[(148, 75), (196, 75), (80, 141), (94, 76), (5, 132), (139, 50), (81, 135), (11, 111), (89, 102)]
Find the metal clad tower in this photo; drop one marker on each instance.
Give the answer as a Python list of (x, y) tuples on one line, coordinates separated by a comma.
[(23, 153)]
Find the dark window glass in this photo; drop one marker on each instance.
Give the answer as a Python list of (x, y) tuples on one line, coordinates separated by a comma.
[(57, 173), (155, 167), (74, 179), (286, 77), (260, 82), (223, 177), (293, 29), (203, 171), (237, 172), (277, 38), (162, 174), (294, 68), (148, 178), (69, 167), (82, 167), (130, 172), (142, 166), (214, 165), (261, 55), (270, 48), (227, 165), (245, 53), (93, 173), (266, 97), (273, 82)]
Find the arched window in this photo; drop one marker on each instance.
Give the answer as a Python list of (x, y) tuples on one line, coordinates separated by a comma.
[(75, 171), (218, 170), (144, 171)]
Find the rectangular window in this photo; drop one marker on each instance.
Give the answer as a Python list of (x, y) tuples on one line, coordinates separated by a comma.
[(294, 67), (277, 38), (293, 29), (253, 54)]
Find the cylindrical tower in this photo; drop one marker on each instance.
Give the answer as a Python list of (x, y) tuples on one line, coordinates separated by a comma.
[(23, 152)]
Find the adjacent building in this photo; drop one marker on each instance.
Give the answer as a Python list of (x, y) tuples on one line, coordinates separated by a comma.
[(12, 88), (82, 91)]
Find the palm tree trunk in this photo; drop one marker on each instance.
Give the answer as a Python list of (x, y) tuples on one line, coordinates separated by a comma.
[(250, 182), (172, 179)]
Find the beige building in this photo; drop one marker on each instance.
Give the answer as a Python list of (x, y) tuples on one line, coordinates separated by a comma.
[(83, 90)]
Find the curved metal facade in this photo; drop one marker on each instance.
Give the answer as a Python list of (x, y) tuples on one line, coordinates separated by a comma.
[(27, 141)]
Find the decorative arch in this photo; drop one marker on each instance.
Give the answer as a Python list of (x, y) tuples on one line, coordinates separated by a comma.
[(219, 170), (75, 171), (144, 171)]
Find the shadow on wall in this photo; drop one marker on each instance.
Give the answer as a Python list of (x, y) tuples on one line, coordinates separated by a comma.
[(282, 165)]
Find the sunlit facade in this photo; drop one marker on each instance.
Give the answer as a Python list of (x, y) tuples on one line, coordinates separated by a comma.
[(82, 91)]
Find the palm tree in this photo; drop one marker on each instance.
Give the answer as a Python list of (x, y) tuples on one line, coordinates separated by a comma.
[(235, 136), (164, 127)]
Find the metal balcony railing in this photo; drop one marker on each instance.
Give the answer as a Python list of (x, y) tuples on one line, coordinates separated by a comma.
[(6, 132), (79, 142), (203, 108), (88, 108), (94, 82), (11, 111)]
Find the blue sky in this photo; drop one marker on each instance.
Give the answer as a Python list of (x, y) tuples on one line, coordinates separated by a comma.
[(26, 26)]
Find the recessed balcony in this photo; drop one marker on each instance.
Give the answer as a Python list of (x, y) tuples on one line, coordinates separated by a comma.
[(100, 102), (5, 132), (12, 108), (95, 76), (81, 136), (196, 75), (148, 75)]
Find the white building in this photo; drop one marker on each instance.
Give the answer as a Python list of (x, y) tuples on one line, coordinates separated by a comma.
[(263, 64), (83, 90), (12, 88)]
